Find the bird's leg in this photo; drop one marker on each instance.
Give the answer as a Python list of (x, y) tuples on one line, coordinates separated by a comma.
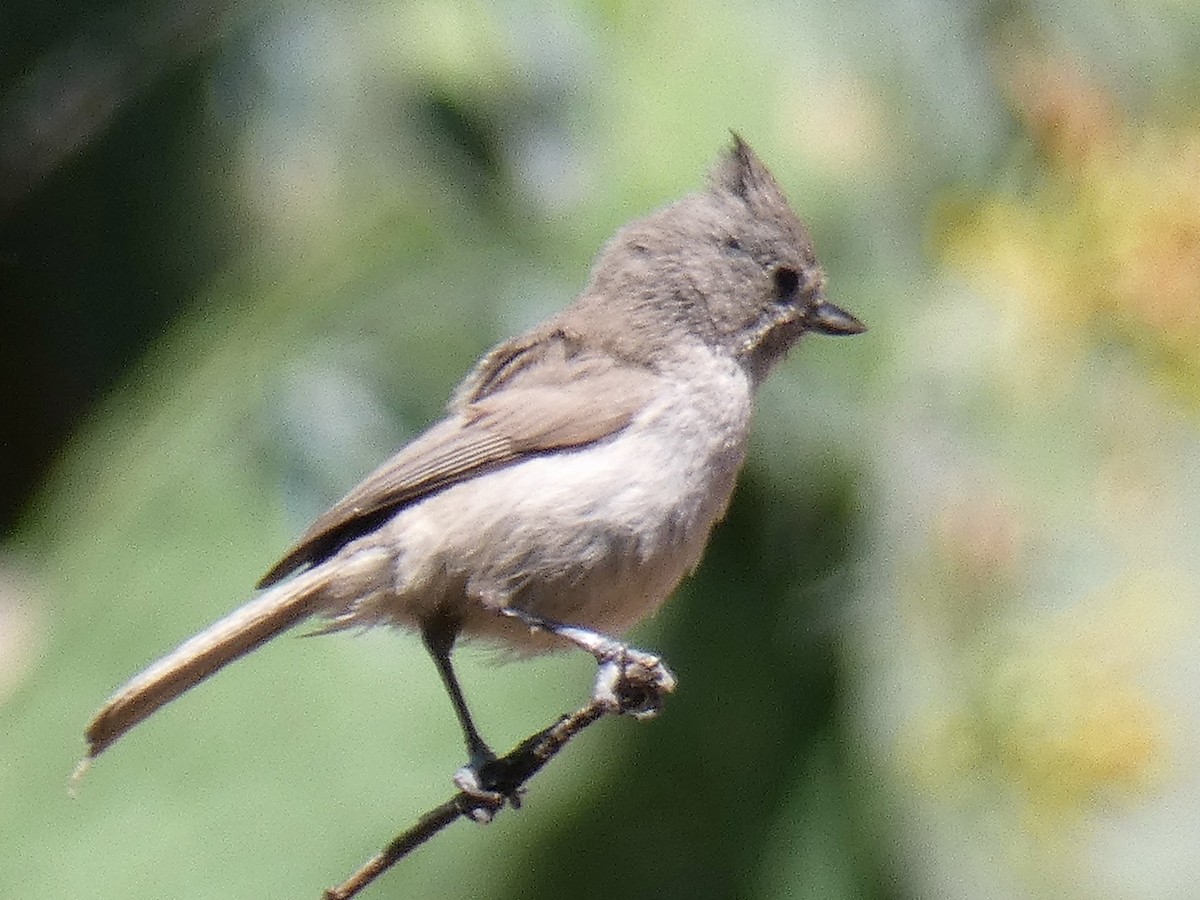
[(629, 681), (439, 640), (482, 777)]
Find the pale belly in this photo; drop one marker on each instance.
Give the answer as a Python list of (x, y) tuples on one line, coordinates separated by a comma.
[(597, 537)]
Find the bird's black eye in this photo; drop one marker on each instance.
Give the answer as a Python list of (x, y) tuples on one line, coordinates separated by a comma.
[(786, 284)]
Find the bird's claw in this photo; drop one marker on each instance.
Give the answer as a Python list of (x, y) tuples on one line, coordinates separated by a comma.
[(632, 682), (487, 787)]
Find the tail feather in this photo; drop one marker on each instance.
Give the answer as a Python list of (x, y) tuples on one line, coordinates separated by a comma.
[(246, 628)]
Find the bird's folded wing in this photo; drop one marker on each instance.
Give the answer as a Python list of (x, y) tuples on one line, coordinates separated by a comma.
[(528, 416)]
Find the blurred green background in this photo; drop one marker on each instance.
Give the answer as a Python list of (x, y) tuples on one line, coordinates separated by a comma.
[(945, 644)]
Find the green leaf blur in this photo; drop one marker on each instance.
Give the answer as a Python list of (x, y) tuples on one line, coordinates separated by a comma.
[(942, 646)]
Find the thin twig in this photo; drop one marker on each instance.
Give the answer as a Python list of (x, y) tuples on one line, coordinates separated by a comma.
[(519, 765)]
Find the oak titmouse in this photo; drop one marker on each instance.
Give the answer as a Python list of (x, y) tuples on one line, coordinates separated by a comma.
[(578, 471)]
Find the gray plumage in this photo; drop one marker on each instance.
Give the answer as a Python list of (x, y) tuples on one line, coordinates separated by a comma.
[(579, 468)]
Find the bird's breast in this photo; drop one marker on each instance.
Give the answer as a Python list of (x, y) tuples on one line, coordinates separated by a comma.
[(596, 536)]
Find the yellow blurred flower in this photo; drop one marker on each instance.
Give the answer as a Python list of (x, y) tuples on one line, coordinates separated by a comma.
[(1146, 204), (1054, 718), (1105, 240), (1069, 726)]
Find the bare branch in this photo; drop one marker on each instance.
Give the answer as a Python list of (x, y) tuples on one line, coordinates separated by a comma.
[(516, 768)]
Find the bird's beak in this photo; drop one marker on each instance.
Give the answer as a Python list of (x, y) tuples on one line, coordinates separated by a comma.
[(825, 318)]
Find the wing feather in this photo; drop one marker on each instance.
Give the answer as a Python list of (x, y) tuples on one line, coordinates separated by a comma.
[(565, 401)]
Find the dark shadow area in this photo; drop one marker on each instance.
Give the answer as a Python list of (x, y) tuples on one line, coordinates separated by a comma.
[(699, 793)]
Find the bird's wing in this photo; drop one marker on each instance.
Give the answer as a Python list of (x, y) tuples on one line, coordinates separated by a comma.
[(562, 402)]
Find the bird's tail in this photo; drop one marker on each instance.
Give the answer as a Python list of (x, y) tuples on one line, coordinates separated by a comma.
[(221, 643)]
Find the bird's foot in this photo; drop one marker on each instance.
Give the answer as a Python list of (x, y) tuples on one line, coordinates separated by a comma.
[(488, 783), (632, 682), (629, 681)]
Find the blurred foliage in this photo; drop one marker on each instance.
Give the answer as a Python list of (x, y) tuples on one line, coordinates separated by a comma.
[(944, 644)]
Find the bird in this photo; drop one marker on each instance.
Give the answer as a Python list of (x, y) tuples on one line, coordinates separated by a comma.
[(577, 473)]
